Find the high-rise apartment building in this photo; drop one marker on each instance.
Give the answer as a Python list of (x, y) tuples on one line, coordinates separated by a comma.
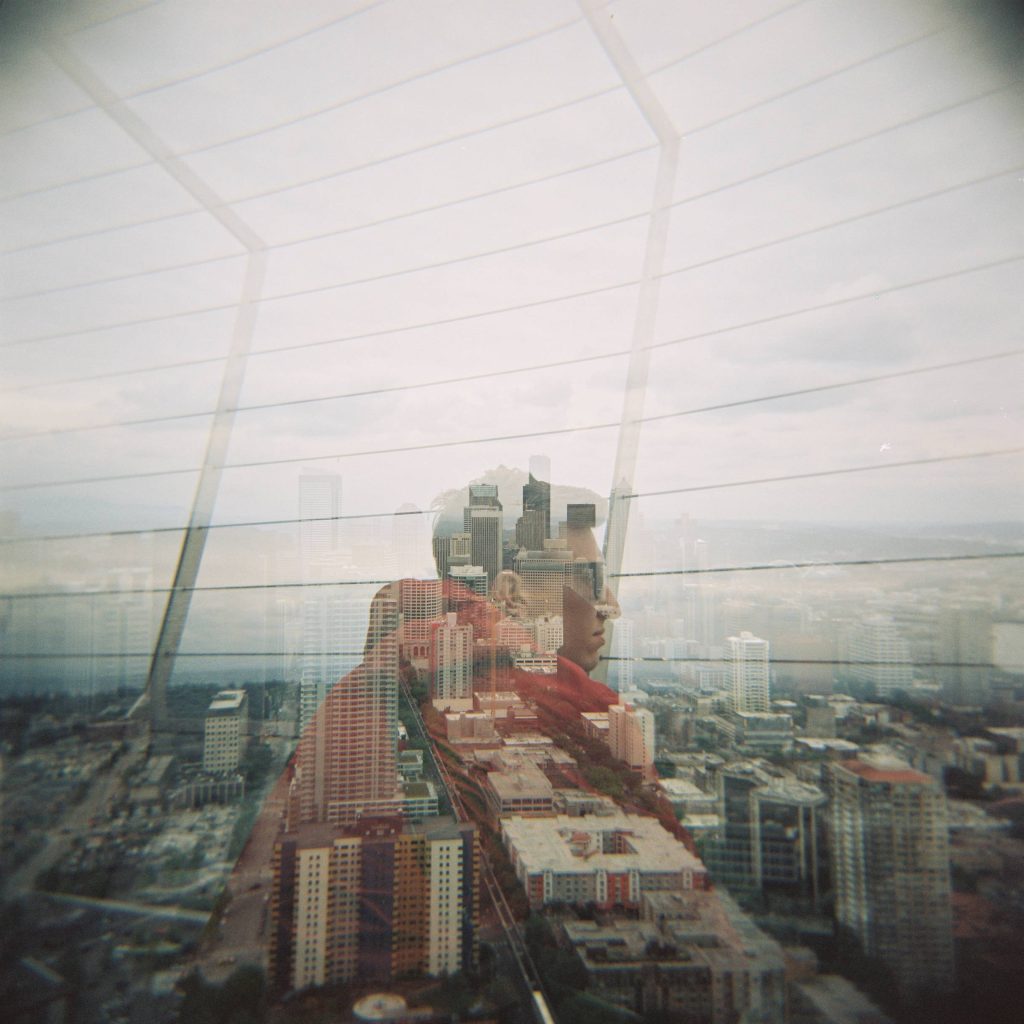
[(451, 665), (333, 634), (224, 736), (623, 651), (346, 763), (319, 511), (329, 619), (372, 901), (890, 866), (420, 607), (631, 736), (749, 672), (964, 654), (879, 656)]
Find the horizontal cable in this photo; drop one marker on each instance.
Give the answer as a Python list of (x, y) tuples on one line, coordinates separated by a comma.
[(363, 225), (743, 29), (331, 108), (291, 521), (817, 80), (366, 165), (724, 661), (821, 473), (840, 563), (322, 398), (835, 303), (450, 262), (321, 236), (298, 119), (33, 656), (321, 584), (788, 165), (337, 286), (594, 95), (876, 378), (304, 520), (807, 233), (112, 374), (210, 589), (844, 221), (647, 659), (434, 445), (260, 52)]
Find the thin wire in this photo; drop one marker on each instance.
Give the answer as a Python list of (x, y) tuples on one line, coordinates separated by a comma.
[(505, 249), (800, 661), (888, 208), (819, 474), (424, 512), (380, 90), (32, 656), (368, 165), (479, 131), (807, 233), (435, 445), (213, 588), (817, 80), (841, 563), (354, 282), (436, 207), (868, 136), (657, 69), (299, 585), (323, 398), (845, 221), (216, 526), (834, 303)]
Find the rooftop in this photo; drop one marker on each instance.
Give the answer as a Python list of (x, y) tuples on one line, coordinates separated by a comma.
[(569, 845)]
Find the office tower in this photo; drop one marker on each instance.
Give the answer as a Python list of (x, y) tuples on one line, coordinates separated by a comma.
[(623, 651), (631, 736), (890, 866), (749, 672), (789, 841), (485, 528), (580, 517), (225, 731), (319, 509), (471, 577), (729, 856), (537, 500), (544, 573), (451, 665), (879, 656), (530, 529), (964, 654), (373, 901), (420, 607), (346, 763)]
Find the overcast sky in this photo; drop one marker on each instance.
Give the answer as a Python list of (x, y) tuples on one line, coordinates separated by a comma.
[(422, 191)]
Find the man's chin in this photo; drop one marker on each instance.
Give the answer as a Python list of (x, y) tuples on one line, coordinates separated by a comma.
[(586, 662)]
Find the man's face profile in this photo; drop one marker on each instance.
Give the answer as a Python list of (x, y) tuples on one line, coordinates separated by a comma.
[(584, 614)]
